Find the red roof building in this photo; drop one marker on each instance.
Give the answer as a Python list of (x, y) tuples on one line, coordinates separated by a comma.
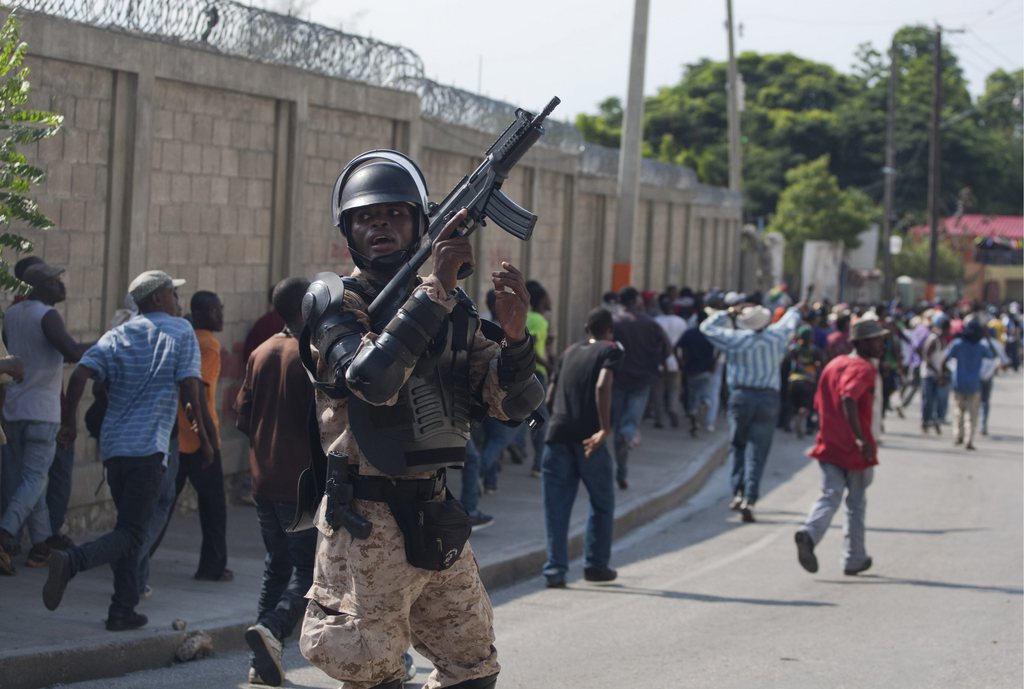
[(991, 246), (1002, 226)]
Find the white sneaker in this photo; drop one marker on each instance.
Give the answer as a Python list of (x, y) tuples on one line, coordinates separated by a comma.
[(254, 677), (410, 668), (266, 649), (709, 429)]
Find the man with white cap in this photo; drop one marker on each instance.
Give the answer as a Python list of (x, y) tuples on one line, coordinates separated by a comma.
[(845, 448), (754, 349), (34, 331), (146, 362)]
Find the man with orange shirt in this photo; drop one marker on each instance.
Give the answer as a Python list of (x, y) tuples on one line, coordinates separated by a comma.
[(206, 478)]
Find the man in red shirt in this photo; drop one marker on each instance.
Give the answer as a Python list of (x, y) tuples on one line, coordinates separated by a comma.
[(845, 448)]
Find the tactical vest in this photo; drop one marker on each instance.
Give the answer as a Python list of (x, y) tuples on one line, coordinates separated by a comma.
[(428, 427)]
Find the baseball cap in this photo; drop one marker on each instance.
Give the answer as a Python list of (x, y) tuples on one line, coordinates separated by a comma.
[(38, 273), (150, 281)]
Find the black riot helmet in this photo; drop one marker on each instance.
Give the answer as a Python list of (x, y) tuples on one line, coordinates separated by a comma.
[(380, 176)]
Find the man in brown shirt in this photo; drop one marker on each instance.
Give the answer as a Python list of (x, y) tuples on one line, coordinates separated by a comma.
[(273, 407)]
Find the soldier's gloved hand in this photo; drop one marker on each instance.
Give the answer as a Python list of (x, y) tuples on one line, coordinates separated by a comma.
[(511, 301), (450, 252)]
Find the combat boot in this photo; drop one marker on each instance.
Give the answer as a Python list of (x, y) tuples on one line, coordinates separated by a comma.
[(478, 683)]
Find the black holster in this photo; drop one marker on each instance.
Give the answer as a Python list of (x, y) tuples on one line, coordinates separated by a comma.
[(339, 494)]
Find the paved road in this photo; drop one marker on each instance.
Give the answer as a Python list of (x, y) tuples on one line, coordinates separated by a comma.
[(705, 601)]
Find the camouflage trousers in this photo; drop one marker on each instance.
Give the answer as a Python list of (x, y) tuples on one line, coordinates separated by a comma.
[(367, 603)]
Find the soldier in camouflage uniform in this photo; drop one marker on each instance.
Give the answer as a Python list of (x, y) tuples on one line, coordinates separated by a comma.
[(396, 400)]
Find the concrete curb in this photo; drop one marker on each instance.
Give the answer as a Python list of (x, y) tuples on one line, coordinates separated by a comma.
[(110, 659), (89, 662)]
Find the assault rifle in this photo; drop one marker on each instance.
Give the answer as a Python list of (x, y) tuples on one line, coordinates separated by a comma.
[(480, 193)]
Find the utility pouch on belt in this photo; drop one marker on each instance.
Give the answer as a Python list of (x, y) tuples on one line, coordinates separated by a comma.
[(435, 532)]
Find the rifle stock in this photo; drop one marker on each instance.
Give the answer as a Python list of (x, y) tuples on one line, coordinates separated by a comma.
[(480, 193)]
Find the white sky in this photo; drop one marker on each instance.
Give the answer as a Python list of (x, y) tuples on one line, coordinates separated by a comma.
[(525, 51)]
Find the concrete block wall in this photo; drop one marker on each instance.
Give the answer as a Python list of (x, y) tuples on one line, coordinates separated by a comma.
[(332, 138), (219, 170), (75, 193)]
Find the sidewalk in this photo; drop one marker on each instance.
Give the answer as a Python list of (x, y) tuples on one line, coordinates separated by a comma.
[(39, 648)]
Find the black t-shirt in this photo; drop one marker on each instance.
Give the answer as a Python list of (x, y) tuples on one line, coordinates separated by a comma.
[(575, 415), (700, 353)]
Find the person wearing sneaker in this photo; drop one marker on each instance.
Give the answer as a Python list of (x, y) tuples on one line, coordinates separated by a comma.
[(576, 450), (469, 496), (397, 387), (970, 355), (147, 362), (273, 411), (35, 333), (754, 348), (645, 349), (845, 448)]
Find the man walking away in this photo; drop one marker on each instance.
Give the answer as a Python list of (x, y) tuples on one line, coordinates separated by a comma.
[(273, 408), (934, 376), (754, 351), (206, 477), (697, 355), (845, 449), (34, 332), (666, 390), (147, 362), (576, 450), (645, 348), (969, 354)]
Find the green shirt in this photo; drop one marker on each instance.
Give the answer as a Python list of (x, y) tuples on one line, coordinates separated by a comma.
[(537, 326)]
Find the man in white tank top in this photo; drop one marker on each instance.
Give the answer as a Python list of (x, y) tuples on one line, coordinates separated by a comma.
[(34, 331)]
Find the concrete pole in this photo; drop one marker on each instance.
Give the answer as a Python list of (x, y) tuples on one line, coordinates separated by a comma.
[(629, 151), (735, 161), (934, 168), (890, 173)]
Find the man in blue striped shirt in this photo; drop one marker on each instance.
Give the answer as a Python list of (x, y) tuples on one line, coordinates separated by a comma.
[(145, 362), (754, 350)]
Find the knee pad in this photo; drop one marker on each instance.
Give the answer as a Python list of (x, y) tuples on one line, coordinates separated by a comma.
[(478, 683)]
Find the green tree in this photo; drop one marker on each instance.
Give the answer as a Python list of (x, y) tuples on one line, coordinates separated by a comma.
[(19, 126), (797, 110), (913, 261), (812, 206), (605, 128)]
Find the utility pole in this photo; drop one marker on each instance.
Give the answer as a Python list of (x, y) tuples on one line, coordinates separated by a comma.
[(629, 151), (735, 162), (934, 162), (890, 174)]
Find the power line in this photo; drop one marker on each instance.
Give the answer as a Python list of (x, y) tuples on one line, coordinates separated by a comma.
[(992, 12), (988, 62), (994, 51)]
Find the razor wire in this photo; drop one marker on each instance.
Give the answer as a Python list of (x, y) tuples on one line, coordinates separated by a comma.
[(602, 161), (260, 35), (235, 29)]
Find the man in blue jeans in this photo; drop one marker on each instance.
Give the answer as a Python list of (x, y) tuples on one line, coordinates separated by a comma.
[(754, 350), (146, 362), (273, 408), (576, 450), (646, 347), (34, 331)]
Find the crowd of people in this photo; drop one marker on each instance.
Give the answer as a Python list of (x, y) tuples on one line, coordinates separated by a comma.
[(673, 359)]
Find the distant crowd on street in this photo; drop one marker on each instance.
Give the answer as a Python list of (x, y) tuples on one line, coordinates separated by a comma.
[(675, 359)]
